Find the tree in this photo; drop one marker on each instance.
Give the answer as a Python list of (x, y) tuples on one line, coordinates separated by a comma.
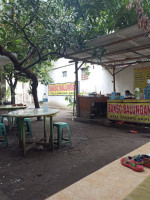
[(39, 30), (8, 74), (36, 31), (143, 20), (41, 71), (105, 16)]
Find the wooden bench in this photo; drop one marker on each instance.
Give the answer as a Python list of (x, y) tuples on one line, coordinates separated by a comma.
[(114, 181)]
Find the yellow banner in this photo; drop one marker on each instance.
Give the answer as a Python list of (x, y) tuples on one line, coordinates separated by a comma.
[(140, 77), (131, 112), (61, 89)]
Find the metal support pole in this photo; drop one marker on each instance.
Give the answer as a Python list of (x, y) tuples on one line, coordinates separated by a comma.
[(22, 137), (51, 139), (44, 118), (76, 84), (74, 98), (114, 81)]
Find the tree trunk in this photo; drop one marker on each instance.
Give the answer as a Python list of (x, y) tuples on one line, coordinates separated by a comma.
[(35, 97), (34, 85), (12, 90), (34, 93), (29, 73)]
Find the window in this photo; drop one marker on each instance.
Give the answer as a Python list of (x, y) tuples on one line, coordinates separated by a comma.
[(64, 73), (84, 74)]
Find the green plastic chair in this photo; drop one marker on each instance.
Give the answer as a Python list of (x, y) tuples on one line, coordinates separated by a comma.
[(1, 119), (27, 121), (60, 139), (3, 135), (9, 119), (4, 116), (28, 125)]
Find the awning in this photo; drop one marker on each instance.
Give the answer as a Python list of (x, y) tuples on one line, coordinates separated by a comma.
[(123, 48)]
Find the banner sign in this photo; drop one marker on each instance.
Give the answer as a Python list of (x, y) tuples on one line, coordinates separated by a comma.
[(131, 112), (61, 89), (140, 77)]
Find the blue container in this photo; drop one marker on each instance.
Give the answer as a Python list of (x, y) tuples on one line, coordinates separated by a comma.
[(147, 92), (113, 95), (121, 97)]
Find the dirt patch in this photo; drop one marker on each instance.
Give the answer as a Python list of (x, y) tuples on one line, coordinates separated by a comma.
[(41, 173)]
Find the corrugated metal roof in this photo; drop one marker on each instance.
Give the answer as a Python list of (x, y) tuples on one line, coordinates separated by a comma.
[(129, 45)]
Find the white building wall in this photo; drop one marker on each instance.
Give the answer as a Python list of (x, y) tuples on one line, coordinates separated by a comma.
[(60, 66), (99, 80), (125, 79), (41, 90), (22, 93)]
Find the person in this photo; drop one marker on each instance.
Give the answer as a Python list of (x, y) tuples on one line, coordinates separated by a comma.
[(128, 94)]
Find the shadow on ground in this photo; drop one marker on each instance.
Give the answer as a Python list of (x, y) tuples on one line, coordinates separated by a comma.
[(41, 173)]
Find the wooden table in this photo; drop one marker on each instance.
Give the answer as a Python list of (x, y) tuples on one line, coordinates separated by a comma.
[(86, 103), (11, 108), (114, 181), (34, 112)]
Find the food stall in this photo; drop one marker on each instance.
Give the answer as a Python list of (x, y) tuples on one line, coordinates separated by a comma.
[(90, 106), (135, 107), (123, 49)]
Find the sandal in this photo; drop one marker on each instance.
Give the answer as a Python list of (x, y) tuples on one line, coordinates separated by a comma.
[(132, 163), (145, 158)]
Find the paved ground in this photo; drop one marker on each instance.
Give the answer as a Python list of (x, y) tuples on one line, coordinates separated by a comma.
[(42, 173)]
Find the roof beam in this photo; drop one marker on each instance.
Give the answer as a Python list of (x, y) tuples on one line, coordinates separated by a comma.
[(141, 55), (122, 60), (137, 48), (125, 64)]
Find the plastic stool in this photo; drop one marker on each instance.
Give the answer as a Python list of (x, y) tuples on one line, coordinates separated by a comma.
[(4, 116), (3, 135), (1, 119), (60, 139), (9, 119), (28, 124), (15, 123)]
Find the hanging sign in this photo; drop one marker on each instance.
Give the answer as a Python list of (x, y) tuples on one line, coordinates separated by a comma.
[(61, 89), (131, 112)]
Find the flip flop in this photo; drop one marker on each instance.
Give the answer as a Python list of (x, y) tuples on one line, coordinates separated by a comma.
[(137, 159), (145, 158), (132, 163)]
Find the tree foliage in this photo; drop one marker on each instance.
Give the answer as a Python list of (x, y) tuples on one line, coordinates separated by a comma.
[(143, 19), (105, 16), (39, 30), (36, 31)]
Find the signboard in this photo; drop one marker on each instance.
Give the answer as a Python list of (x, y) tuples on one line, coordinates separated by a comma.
[(140, 77), (61, 89), (131, 112)]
